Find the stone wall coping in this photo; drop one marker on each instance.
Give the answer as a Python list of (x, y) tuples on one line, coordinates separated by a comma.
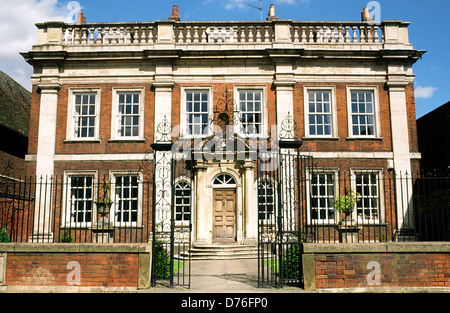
[(388, 247), (75, 248)]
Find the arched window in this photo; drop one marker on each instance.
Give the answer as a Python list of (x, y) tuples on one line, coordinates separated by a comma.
[(224, 179), (266, 199), (182, 201)]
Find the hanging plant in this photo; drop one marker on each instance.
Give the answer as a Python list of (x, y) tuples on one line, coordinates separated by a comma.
[(105, 188), (346, 203)]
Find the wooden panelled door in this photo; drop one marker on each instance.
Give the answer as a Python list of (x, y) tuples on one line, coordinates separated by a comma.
[(224, 215)]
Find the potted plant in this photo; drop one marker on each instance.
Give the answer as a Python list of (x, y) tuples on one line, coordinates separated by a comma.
[(345, 205)]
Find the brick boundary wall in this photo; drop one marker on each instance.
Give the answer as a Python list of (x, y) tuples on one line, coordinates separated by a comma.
[(377, 266), (74, 267)]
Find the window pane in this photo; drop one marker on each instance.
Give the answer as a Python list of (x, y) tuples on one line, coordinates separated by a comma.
[(322, 197), (251, 111), (80, 199), (129, 114), (196, 111), (182, 201), (367, 186), (320, 113), (363, 113), (84, 117), (126, 188), (265, 200)]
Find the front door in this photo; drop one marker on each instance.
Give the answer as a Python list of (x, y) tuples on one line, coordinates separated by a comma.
[(224, 215)]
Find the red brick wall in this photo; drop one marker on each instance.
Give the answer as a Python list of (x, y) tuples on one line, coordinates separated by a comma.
[(104, 146), (12, 166), (411, 112), (341, 144), (34, 120), (396, 270), (50, 269), (219, 92), (344, 144)]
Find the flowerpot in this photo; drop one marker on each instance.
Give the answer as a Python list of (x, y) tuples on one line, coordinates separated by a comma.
[(103, 208)]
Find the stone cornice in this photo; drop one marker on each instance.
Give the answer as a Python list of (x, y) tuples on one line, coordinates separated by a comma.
[(39, 57), (49, 87)]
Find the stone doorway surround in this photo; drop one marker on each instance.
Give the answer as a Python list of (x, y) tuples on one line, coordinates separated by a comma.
[(205, 172)]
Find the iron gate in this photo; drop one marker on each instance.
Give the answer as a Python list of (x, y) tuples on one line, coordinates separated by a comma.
[(172, 203), (281, 196)]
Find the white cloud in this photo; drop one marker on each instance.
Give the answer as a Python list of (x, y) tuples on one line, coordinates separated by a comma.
[(244, 4), (18, 31), (287, 1), (425, 92), (290, 2), (239, 4)]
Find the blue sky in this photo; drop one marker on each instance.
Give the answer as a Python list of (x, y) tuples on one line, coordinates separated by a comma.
[(429, 29)]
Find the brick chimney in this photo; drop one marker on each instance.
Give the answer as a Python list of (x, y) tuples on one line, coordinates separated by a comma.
[(175, 14), (81, 18), (365, 15), (272, 15)]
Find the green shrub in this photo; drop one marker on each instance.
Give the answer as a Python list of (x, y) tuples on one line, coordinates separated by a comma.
[(66, 237), (292, 263), (4, 235), (162, 261)]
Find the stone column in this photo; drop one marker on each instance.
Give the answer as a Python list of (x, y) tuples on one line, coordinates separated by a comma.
[(42, 231)]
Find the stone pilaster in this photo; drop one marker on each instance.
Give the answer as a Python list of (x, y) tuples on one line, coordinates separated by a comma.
[(402, 154), (42, 231), (250, 206)]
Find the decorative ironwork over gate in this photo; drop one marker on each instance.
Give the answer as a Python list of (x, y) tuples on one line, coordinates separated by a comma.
[(171, 225)]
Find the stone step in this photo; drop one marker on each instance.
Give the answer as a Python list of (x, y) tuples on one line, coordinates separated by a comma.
[(221, 252)]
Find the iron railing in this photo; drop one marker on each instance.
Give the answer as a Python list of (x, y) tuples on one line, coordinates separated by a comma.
[(389, 207), (386, 206), (68, 209)]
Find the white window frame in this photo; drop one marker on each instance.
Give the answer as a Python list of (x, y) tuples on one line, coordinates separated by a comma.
[(264, 110), (224, 183), (189, 182), (376, 111), (114, 197), (381, 207), (319, 221), (67, 221), (183, 111), (71, 124), (269, 218), (115, 128), (333, 110)]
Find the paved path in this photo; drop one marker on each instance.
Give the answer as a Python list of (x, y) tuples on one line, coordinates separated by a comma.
[(224, 276)]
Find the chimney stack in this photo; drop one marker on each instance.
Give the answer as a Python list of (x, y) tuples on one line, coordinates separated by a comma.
[(272, 13), (175, 14), (81, 18), (365, 15)]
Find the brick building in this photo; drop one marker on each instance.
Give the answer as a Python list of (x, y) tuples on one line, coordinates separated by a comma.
[(14, 121), (102, 93)]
